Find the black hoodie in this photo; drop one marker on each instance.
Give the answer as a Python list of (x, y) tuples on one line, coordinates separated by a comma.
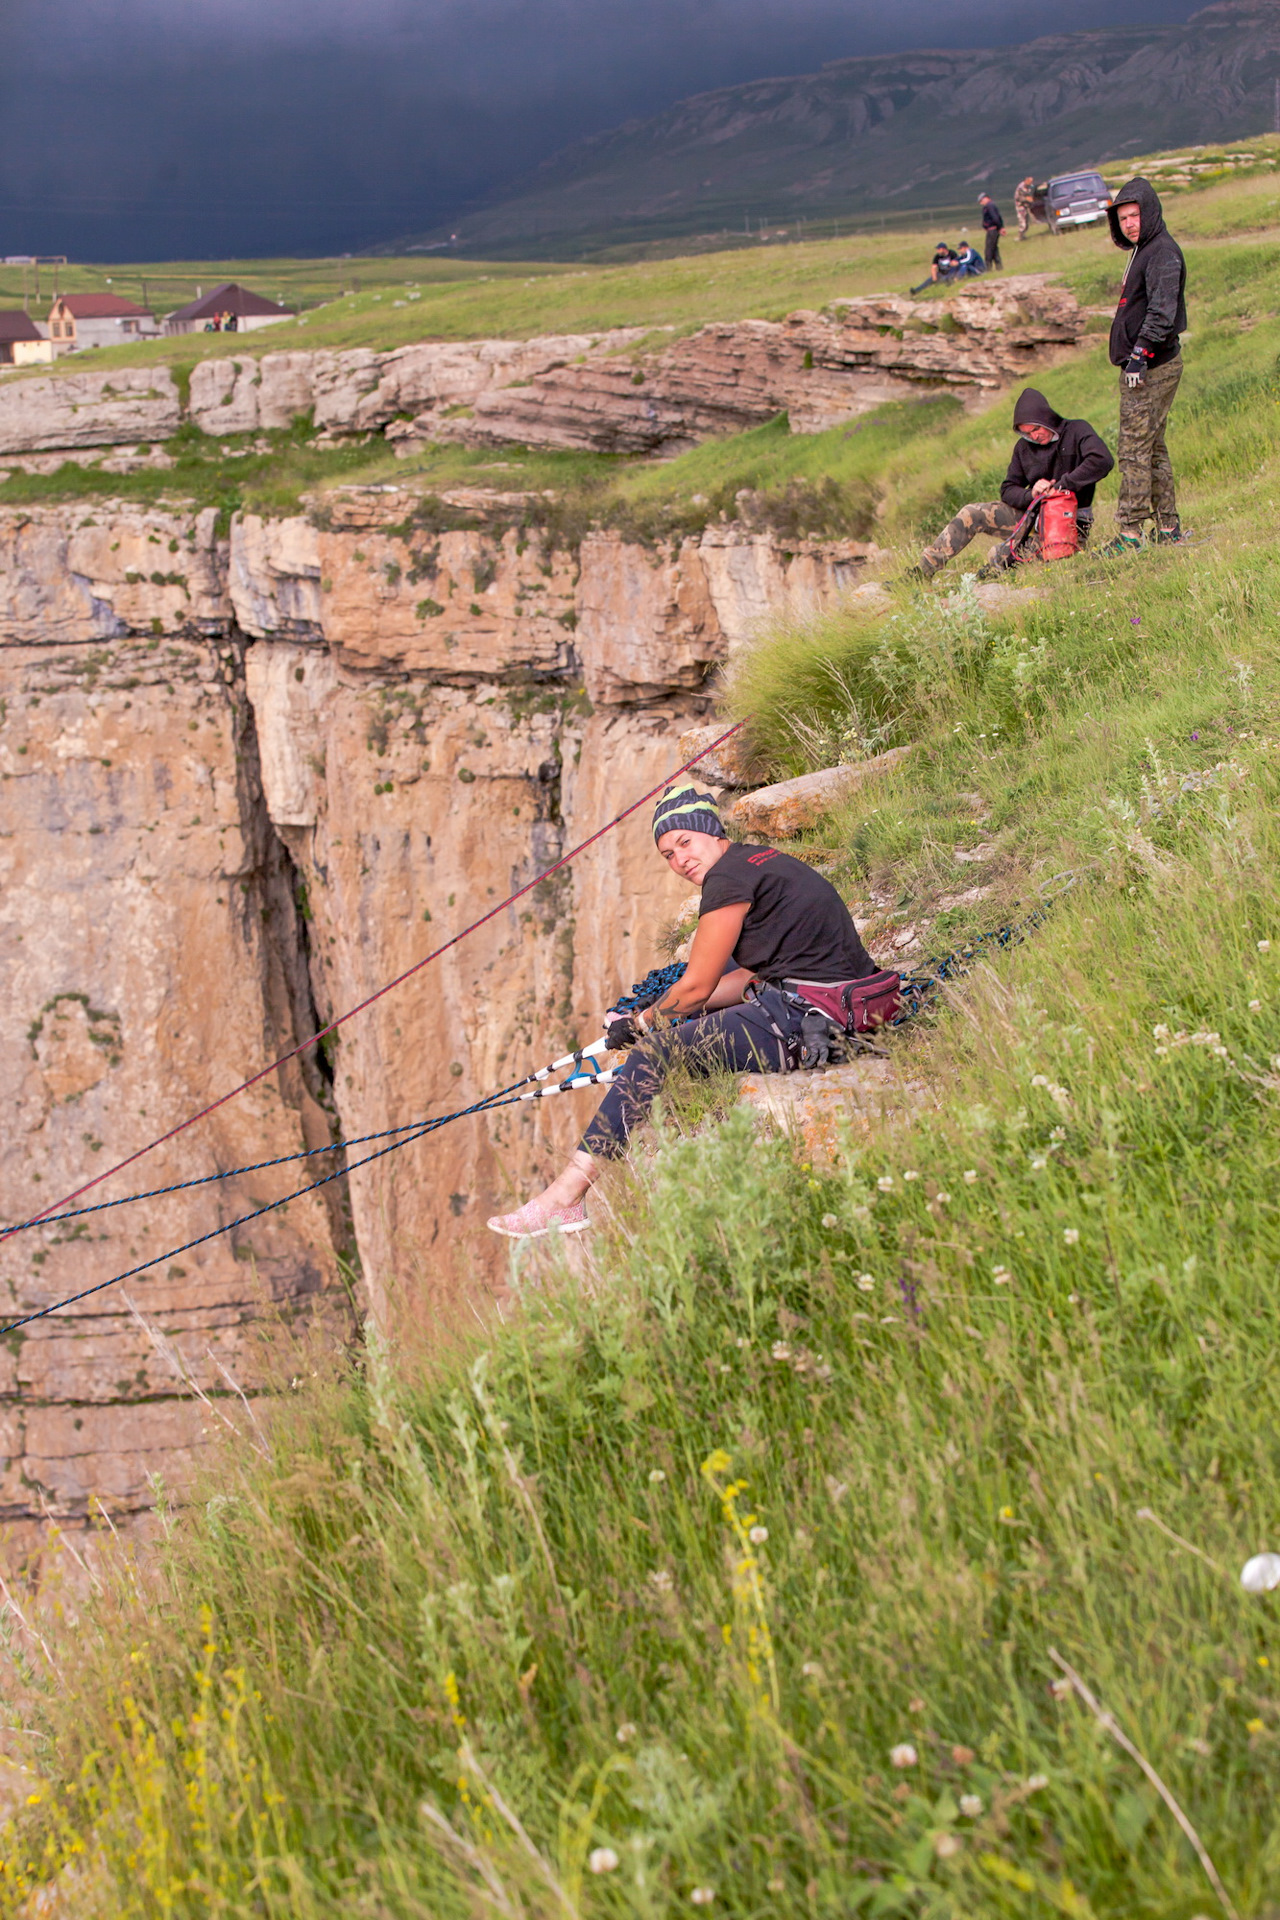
[(1076, 460), (1153, 309)]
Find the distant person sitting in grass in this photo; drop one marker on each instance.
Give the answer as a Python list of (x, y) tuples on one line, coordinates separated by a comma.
[(764, 918), (968, 262), (941, 267), (1051, 454)]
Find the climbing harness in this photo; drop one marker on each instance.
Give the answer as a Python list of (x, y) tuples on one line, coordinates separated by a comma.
[(56, 1206)]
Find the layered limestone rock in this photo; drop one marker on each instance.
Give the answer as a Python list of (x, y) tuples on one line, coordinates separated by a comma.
[(360, 391), (68, 574), (605, 392), (247, 779), (89, 409), (152, 960), (820, 369)]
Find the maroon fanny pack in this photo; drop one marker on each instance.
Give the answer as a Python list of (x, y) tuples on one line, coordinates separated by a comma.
[(857, 1006)]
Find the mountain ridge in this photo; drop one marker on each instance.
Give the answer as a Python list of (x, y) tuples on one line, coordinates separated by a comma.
[(888, 132)]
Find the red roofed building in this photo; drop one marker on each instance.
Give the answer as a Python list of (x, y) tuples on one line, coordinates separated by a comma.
[(228, 309), (21, 341), (79, 320)]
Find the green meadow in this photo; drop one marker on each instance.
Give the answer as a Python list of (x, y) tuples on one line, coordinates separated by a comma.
[(766, 1558)]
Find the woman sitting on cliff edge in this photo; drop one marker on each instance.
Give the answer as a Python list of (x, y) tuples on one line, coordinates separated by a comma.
[(764, 916)]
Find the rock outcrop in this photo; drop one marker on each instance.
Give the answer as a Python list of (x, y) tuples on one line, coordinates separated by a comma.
[(249, 777), (89, 409), (820, 369), (789, 807), (602, 392)]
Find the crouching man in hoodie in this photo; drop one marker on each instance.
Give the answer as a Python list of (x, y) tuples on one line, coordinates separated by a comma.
[(1145, 345), (1051, 453)]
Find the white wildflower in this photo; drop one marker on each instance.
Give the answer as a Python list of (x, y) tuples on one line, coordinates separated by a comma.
[(885, 1182), (903, 1755), (1160, 1032), (1073, 1299), (866, 1282), (627, 1731), (911, 1174), (970, 1805), (1264, 946), (655, 1476), (1039, 1164), (1039, 1080), (703, 1896), (1037, 1781), (830, 1220), (602, 1860), (970, 1176), (661, 1581), (946, 1845), (1255, 1006), (812, 1671), (1001, 1276), (943, 1199), (1071, 1235), (862, 1212), (781, 1351), (1058, 1133), (758, 1535)]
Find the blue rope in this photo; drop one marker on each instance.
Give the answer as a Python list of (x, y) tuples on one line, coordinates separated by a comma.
[(644, 993), (917, 989), (422, 1128)]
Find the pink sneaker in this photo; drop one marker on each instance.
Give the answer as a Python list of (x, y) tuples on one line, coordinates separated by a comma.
[(535, 1217)]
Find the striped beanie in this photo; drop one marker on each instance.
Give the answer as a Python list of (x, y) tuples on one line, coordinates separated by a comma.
[(687, 808)]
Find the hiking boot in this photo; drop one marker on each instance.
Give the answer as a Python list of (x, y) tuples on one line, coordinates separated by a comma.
[(535, 1218), (1168, 536), (1123, 543)]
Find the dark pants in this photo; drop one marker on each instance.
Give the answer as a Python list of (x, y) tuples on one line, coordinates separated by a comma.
[(737, 1039), (1146, 471), (992, 248)]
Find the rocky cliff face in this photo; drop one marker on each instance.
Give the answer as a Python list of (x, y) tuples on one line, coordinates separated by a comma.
[(598, 393), (244, 781)]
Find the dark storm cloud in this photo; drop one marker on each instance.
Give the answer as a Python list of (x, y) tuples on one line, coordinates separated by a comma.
[(137, 129)]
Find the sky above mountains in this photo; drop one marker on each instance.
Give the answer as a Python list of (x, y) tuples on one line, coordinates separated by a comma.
[(141, 130)]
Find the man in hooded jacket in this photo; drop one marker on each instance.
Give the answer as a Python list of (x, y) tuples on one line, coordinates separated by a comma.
[(1051, 453), (1145, 345)]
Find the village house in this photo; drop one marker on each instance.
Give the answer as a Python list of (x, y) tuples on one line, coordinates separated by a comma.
[(21, 342), (228, 309), (80, 320)]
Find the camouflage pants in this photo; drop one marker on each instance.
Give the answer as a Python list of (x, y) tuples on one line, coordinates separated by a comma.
[(1024, 220), (1146, 471), (991, 516)]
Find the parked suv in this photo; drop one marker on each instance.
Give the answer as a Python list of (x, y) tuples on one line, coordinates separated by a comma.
[(1075, 200)]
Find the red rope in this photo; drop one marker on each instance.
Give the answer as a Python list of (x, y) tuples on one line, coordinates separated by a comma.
[(56, 1206)]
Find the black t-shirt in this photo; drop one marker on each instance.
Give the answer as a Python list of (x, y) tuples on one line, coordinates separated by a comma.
[(797, 926)]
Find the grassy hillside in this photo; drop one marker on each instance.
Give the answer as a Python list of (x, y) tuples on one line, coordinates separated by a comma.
[(730, 1569)]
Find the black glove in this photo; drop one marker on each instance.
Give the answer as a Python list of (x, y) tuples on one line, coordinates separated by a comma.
[(1135, 369), (622, 1032)]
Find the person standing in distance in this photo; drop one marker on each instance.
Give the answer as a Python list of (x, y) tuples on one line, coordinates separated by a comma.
[(1146, 346), (992, 228), (1023, 200)]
